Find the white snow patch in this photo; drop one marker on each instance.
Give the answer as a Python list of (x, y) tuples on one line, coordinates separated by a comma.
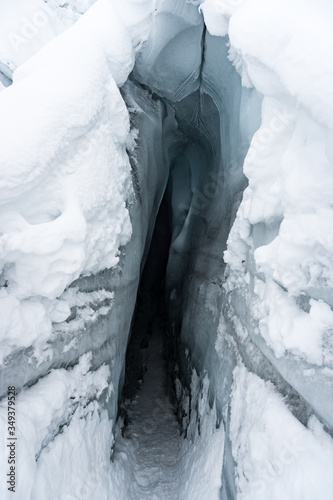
[(65, 174), (41, 411), (276, 456)]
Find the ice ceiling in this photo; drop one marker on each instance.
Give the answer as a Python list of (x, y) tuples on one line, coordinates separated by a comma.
[(157, 153)]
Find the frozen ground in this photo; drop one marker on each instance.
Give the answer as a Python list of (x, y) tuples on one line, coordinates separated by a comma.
[(159, 457), (150, 449)]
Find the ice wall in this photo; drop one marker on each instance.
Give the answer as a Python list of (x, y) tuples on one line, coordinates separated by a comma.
[(175, 30), (267, 315), (275, 293), (73, 194)]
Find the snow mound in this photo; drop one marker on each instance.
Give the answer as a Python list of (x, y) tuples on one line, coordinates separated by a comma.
[(65, 173)]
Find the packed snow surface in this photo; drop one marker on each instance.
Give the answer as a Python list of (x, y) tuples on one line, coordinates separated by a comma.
[(274, 452), (159, 462)]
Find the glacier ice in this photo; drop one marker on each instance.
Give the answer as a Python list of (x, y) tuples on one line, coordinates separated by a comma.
[(208, 124)]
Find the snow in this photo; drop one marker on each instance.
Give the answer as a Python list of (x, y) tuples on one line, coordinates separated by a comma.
[(137, 17), (280, 243), (285, 326), (276, 456), (23, 322), (202, 451), (278, 296), (85, 473), (27, 26), (62, 213), (158, 462), (60, 398), (152, 440)]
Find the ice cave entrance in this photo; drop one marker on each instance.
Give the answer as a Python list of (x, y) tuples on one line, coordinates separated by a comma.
[(150, 414), (150, 313), (192, 187)]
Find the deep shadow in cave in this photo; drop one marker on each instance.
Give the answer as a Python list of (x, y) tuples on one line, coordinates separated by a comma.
[(150, 306), (149, 417), (180, 228)]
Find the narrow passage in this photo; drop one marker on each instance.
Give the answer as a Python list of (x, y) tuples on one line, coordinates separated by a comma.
[(151, 434)]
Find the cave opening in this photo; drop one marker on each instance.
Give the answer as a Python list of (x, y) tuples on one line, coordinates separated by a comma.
[(181, 227), (159, 416), (150, 310)]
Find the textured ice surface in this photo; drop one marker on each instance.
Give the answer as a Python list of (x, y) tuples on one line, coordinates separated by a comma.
[(172, 56), (278, 290)]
